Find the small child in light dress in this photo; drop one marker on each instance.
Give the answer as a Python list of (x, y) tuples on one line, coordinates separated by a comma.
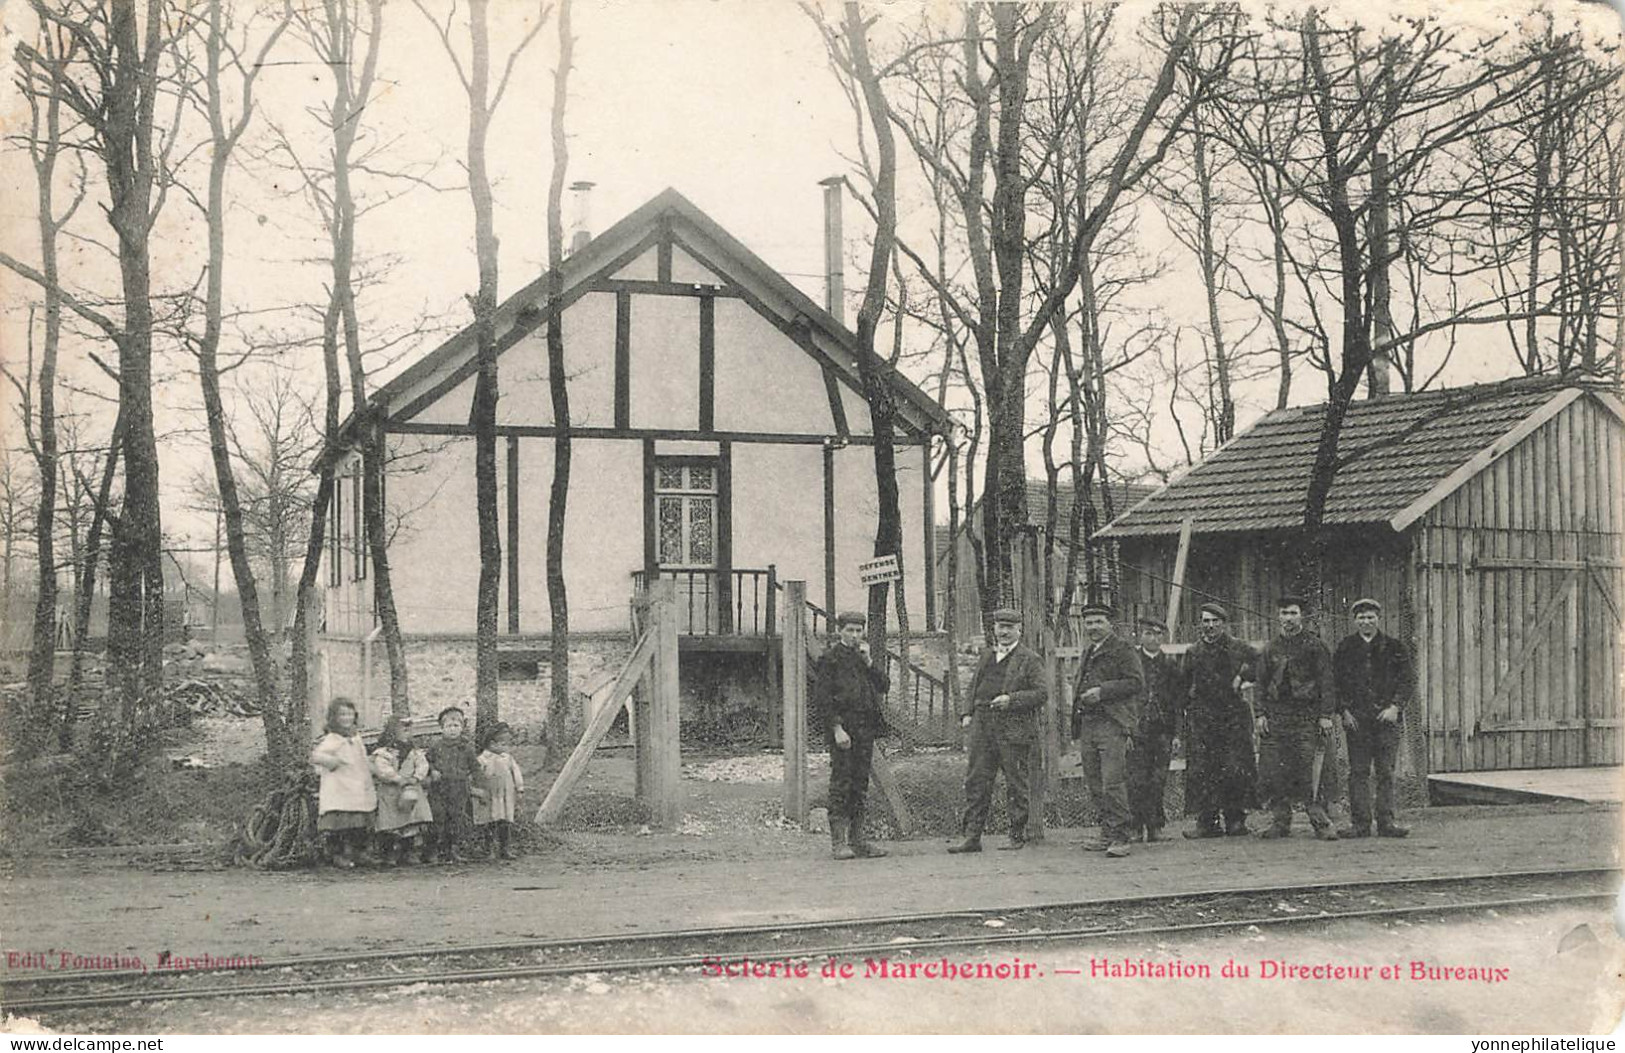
[(503, 783), (399, 769), (346, 800)]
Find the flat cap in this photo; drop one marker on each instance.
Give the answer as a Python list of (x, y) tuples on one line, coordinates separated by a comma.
[(1096, 608), (1292, 600), (1365, 603), (1006, 616), (1147, 622), (852, 618), (1215, 609)]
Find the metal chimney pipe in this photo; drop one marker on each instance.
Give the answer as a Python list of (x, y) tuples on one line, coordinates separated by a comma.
[(581, 206), (1379, 376), (834, 258)]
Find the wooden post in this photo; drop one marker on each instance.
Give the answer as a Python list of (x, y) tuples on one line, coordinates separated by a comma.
[(1047, 756), (638, 666), (1176, 593), (772, 656), (794, 645), (662, 741)]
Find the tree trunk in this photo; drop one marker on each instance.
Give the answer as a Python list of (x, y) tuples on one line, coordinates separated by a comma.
[(282, 748), (558, 599), (35, 730), (135, 616)]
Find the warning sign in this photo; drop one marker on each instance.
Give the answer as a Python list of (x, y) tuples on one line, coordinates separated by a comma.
[(880, 569)]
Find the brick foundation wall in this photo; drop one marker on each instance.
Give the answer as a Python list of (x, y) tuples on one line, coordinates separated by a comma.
[(440, 673)]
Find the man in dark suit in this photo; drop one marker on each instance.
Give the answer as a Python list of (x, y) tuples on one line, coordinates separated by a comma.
[(848, 691), (1373, 676), (1295, 720), (1154, 738), (1006, 695), (1105, 715), (1220, 770)]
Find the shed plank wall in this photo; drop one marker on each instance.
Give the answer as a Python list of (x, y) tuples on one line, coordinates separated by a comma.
[(1552, 499)]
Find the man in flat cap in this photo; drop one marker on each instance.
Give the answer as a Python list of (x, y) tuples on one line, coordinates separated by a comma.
[(1105, 716), (848, 691), (1373, 676), (1220, 771), (1154, 738), (1295, 720), (1006, 695)]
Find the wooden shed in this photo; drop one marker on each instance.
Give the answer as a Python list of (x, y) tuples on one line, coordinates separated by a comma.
[(1488, 521)]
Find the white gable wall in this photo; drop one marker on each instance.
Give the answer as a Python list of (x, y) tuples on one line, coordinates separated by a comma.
[(764, 382)]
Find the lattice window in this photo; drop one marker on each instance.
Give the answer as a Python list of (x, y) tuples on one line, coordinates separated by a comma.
[(686, 513)]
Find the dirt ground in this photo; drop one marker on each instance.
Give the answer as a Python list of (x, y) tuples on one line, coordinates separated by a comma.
[(1532, 987), (725, 871)]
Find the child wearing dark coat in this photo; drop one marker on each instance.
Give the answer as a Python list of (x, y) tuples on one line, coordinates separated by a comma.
[(453, 769)]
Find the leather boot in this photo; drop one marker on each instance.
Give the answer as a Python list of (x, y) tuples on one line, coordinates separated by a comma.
[(860, 844), (838, 846), (971, 843)]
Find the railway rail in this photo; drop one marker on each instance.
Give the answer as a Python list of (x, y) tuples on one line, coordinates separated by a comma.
[(894, 936)]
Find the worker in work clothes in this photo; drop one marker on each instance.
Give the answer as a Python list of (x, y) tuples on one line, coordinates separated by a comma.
[(1154, 738), (1006, 695), (1220, 771), (1295, 719), (848, 692), (1373, 676), (1105, 716)]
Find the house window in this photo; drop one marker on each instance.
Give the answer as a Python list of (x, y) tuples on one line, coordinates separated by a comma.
[(358, 546), (686, 513), (335, 521)]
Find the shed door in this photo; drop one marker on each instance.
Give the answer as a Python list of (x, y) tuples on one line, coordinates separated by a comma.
[(1556, 697)]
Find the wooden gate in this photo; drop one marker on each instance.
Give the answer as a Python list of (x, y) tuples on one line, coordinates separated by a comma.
[(1553, 698)]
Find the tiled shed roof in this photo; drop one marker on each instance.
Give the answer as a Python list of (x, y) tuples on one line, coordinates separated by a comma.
[(1395, 450)]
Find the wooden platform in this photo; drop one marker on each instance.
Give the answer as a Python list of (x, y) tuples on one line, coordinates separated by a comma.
[(1526, 785)]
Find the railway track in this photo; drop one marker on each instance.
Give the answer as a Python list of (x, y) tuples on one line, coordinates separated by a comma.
[(894, 936)]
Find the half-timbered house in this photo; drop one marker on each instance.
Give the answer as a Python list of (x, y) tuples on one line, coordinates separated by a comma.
[(720, 437)]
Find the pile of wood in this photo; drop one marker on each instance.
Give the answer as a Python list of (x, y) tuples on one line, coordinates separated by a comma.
[(281, 832), (199, 696)]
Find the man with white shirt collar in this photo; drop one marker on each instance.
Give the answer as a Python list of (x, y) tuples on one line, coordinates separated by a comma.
[(1006, 695)]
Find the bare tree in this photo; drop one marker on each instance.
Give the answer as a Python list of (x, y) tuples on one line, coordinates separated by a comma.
[(274, 449), (45, 144), (974, 130), (558, 599), (848, 48), (1345, 102), (483, 101), (116, 69), (226, 52)]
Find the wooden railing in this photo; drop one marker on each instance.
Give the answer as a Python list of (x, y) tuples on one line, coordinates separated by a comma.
[(911, 685), (741, 603)]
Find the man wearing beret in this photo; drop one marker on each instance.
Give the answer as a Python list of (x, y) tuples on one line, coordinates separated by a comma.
[(1006, 695), (848, 691), (1299, 699), (1105, 715), (1220, 772), (1154, 738), (1373, 676)]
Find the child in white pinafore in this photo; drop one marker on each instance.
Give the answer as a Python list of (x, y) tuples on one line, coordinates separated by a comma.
[(399, 768), (503, 782), (346, 800)]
